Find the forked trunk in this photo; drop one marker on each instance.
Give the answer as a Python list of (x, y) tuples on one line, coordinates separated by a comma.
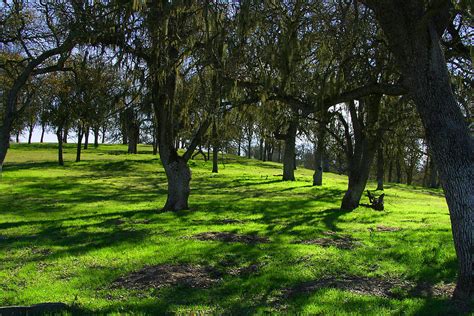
[(358, 176), (354, 192)]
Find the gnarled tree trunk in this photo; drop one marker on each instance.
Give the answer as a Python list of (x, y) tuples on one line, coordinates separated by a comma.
[(413, 35), (179, 176)]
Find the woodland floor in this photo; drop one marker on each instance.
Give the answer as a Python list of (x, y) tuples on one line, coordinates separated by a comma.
[(91, 235)]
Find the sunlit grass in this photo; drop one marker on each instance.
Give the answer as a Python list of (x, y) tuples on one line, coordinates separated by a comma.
[(60, 241)]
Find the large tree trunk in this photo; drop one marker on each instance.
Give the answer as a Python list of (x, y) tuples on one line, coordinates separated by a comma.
[(5, 130), (289, 154), (433, 183), (380, 168), (453, 155), (80, 133), (360, 155), (179, 176), (359, 169), (413, 36)]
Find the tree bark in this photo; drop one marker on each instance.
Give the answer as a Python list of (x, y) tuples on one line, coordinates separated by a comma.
[(30, 133), (362, 152), (65, 134), (42, 132), (390, 170), (359, 169), (260, 152), (5, 130), (380, 168), (103, 134), (80, 133), (433, 175), (86, 138), (179, 176), (289, 154), (215, 149), (279, 151), (18, 136), (413, 36), (59, 132), (318, 157), (398, 170), (96, 137), (249, 148)]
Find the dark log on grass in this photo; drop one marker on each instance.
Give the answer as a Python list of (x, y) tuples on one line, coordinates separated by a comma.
[(376, 202)]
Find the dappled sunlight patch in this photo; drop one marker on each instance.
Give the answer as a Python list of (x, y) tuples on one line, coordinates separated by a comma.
[(230, 237), (158, 276)]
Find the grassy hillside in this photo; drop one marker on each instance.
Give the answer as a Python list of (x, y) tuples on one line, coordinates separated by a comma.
[(78, 234)]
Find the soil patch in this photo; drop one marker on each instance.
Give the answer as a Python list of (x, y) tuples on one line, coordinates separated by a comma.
[(358, 285), (338, 241), (231, 237), (382, 228), (389, 288), (437, 290), (245, 270), (194, 276)]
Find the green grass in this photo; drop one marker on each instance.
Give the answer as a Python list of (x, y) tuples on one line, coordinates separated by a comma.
[(59, 241)]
